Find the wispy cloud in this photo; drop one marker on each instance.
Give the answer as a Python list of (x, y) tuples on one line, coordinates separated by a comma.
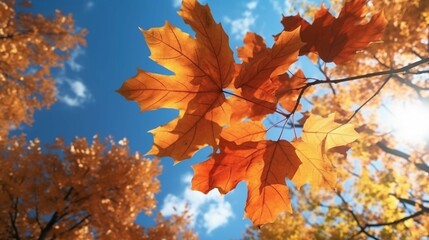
[(285, 7), (240, 26), (72, 92), (89, 5), (177, 3), (209, 211), (252, 5), (72, 62)]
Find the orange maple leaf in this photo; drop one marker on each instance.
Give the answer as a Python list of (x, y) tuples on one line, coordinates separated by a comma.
[(203, 67), (338, 39), (253, 45), (289, 89), (245, 155), (260, 65)]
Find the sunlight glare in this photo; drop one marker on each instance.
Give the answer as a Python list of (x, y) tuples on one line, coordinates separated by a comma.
[(410, 121)]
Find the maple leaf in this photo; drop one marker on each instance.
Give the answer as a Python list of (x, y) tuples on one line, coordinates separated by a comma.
[(245, 155), (316, 169), (318, 130), (338, 39), (254, 45), (318, 136), (203, 66), (260, 65), (289, 89)]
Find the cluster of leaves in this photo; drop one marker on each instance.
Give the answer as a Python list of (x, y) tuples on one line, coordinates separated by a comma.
[(385, 193), (78, 191), (30, 46), (222, 103)]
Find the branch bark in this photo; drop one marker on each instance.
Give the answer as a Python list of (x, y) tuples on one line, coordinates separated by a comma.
[(348, 79), (421, 166), (48, 227)]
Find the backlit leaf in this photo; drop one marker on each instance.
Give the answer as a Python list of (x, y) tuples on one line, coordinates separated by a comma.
[(263, 164), (338, 39), (318, 130), (203, 66)]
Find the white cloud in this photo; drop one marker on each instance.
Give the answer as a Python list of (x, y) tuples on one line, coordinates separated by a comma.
[(89, 5), (70, 101), (177, 3), (72, 92), (72, 63), (240, 26), (286, 7), (211, 211), (217, 215), (252, 5), (78, 89)]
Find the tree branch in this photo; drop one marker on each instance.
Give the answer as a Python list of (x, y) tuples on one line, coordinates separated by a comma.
[(416, 214), (369, 99), (375, 74), (421, 166), (392, 151), (48, 227), (362, 228), (12, 217), (77, 224), (348, 79)]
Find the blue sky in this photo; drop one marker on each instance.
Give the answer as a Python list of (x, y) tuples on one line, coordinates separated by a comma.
[(88, 104)]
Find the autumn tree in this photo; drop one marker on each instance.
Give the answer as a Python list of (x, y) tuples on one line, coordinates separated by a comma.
[(79, 191), (30, 46), (379, 191)]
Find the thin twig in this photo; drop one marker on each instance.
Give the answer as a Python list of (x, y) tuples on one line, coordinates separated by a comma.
[(348, 79), (369, 99)]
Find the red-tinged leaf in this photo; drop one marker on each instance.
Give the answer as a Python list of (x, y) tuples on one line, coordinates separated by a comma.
[(264, 205), (338, 39), (254, 105), (253, 45), (241, 132), (263, 164), (203, 66), (273, 62), (254, 80), (226, 168), (289, 89)]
